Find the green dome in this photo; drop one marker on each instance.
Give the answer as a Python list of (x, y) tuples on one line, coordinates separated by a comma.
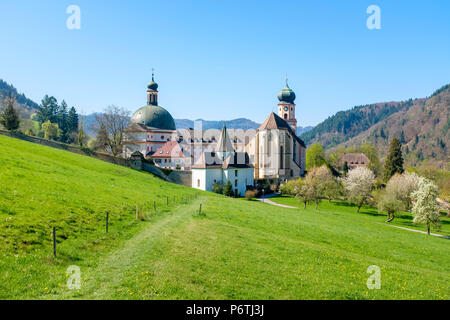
[(154, 117), (152, 86), (286, 95)]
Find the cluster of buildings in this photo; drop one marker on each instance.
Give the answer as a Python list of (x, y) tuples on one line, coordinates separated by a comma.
[(272, 153)]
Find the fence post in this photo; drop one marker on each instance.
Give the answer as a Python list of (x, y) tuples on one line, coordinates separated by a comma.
[(167, 200), (107, 221), (200, 211), (54, 242)]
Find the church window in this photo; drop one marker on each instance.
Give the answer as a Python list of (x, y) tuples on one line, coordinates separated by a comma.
[(198, 183), (236, 173), (281, 157), (285, 116), (235, 183)]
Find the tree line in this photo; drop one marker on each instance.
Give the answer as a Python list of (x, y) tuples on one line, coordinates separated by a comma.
[(60, 123)]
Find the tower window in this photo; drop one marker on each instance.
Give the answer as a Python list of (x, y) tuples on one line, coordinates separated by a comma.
[(285, 116)]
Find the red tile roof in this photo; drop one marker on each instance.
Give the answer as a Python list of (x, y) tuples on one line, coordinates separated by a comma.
[(171, 149)]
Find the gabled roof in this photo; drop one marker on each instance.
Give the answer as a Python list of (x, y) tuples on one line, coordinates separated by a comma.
[(224, 143), (137, 155), (208, 160), (275, 122), (171, 149)]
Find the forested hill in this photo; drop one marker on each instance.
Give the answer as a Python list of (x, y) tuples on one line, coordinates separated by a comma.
[(423, 130), (26, 106), (345, 125)]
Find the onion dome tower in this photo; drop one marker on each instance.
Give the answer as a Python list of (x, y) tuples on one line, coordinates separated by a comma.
[(152, 115), (286, 106)]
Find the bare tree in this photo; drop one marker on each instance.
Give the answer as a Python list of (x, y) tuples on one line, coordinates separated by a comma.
[(115, 120)]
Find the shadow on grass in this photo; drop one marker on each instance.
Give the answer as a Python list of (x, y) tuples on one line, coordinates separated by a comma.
[(367, 210)]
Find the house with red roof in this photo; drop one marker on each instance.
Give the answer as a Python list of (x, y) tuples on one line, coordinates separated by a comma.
[(171, 156)]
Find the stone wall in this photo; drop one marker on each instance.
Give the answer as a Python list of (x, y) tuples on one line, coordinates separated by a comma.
[(181, 177)]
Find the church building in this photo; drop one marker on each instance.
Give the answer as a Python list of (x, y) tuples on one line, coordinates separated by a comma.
[(151, 127), (276, 151)]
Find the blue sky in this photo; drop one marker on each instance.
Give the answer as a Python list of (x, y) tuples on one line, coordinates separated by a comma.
[(220, 60)]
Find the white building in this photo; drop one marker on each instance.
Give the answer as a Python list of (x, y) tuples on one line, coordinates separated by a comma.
[(222, 165)]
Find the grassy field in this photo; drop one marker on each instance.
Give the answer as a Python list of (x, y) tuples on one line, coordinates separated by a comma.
[(237, 250), (402, 219)]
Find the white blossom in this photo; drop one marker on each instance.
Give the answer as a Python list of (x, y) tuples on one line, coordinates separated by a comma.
[(359, 183), (426, 208)]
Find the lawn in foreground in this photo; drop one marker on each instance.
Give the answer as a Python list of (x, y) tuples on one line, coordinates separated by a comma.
[(238, 250)]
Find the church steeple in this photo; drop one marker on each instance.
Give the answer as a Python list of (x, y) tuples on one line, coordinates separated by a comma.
[(286, 106), (152, 91), (224, 146)]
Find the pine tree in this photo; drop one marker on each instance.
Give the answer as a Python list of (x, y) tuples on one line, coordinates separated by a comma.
[(73, 120), (345, 168), (48, 110), (228, 189), (9, 117), (394, 160), (63, 121)]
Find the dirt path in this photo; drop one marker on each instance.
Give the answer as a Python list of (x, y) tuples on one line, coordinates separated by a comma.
[(102, 281), (414, 230), (266, 199)]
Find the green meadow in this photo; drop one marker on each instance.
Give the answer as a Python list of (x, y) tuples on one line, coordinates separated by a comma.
[(235, 249)]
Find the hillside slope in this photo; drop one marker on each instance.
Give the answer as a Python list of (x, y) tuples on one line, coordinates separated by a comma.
[(25, 105), (237, 250), (421, 124), (423, 129)]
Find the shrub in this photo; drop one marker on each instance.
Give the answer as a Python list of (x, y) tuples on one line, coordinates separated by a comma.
[(217, 188), (228, 190), (390, 204), (250, 194)]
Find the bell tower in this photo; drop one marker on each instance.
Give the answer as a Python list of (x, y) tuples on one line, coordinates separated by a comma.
[(152, 92), (286, 106)]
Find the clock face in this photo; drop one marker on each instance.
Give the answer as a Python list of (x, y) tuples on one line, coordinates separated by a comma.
[(286, 108)]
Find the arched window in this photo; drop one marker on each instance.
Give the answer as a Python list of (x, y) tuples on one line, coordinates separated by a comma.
[(281, 158), (285, 116)]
